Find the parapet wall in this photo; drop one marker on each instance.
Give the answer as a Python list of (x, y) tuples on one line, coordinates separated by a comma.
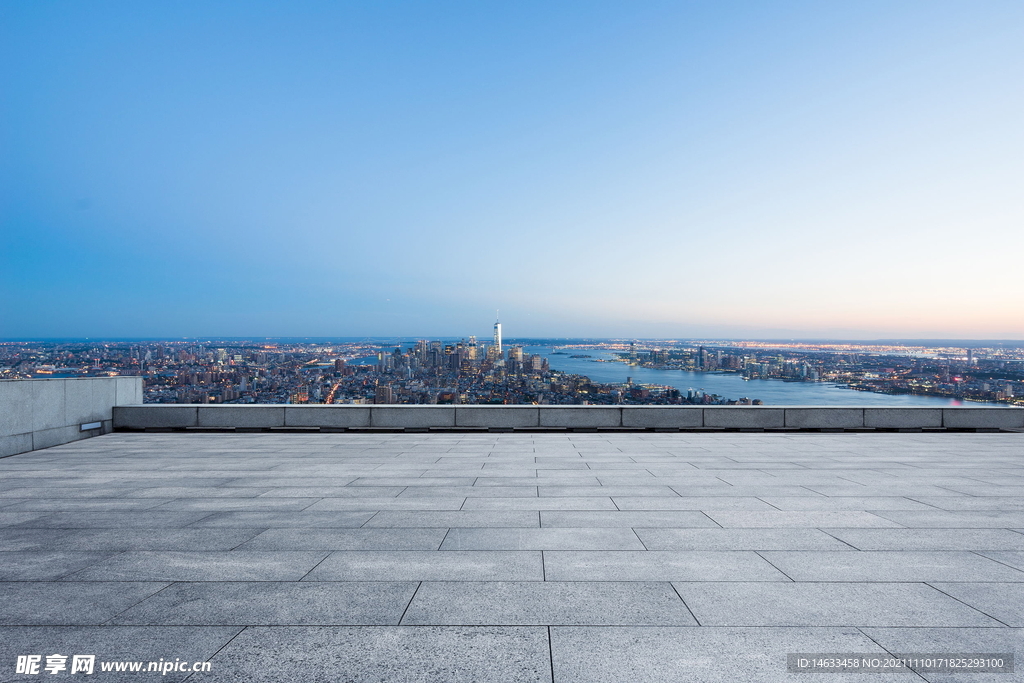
[(39, 413), (634, 418)]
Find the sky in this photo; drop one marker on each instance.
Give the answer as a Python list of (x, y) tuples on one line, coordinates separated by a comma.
[(644, 169)]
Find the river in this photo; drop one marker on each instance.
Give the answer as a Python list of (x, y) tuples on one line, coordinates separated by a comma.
[(730, 385)]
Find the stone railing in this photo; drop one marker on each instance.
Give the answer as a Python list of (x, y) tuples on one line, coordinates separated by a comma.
[(633, 418), (39, 413)]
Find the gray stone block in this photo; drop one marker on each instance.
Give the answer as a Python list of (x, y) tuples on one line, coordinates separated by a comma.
[(35, 565), (652, 654), (662, 416), (778, 519), (171, 565), (349, 539), (16, 398), (1004, 601), (41, 603), (983, 418), (412, 416), (337, 416), (272, 603), (744, 417), (45, 438), (128, 391), (112, 643), (739, 539), (143, 417), (902, 418), (461, 518), (548, 603), (626, 518), (657, 565), (387, 653), (542, 539), (50, 401), (284, 520), (255, 417), (14, 444), (928, 539), (826, 604), (433, 565), (825, 418), (497, 416), (879, 566), (88, 400), (580, 416)]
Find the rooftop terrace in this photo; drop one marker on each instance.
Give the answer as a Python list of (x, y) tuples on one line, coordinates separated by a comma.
[(511, 557)]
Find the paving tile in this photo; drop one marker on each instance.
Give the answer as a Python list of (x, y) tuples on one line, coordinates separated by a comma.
[(635, 491), (116, 493), (890, 566), (235, 565), (929, 539), (657, 565), (198, 492), (863, 503), (1002, 601), (582, 654), (74, 504), (464, 518), (470, 491), (39, 603), (347, 539), (826, 604), (331, 492), (972, 503), (387, 653), (953, 640), (738, 539), (414, 481), (238, 504), (690, 503), (399, 565), (294, 520), (542, 539), (538, 503), (127, 519), (9, 519), (422, 503), (225, 603), (44, 565), (1012, 558), (778, 519), (630, 518), (117, 643), (955, 520), (546, 603)]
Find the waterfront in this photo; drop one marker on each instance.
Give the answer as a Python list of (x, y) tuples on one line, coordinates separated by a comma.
[(730, 385)]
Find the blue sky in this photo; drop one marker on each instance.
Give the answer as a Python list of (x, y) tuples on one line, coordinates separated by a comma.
[(648, 169)]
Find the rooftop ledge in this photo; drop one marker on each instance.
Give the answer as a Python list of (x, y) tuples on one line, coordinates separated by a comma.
[(545, 418)]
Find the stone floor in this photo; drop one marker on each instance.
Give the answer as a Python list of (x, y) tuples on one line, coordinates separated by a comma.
[(511, 557)]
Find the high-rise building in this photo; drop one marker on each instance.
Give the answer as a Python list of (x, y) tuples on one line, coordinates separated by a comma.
[(497, 334)]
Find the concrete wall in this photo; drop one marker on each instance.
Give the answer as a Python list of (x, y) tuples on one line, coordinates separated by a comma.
[(559, 417), (39, 413)]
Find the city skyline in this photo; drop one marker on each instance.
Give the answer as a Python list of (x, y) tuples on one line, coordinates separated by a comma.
[(667, 170)]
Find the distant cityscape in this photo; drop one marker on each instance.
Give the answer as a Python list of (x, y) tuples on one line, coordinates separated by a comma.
[(466, 371)]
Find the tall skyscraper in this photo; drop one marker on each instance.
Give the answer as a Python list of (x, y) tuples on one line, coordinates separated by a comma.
[(497, 333)]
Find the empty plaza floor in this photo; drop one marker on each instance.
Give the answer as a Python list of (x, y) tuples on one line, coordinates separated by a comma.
[(579, 558)]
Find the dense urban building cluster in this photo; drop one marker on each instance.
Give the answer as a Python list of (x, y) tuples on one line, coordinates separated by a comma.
[(994, 374), (427, 372), (469, 372)]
